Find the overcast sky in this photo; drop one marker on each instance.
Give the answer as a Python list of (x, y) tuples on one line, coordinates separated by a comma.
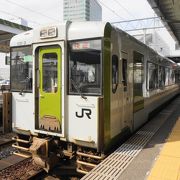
[(47, 11)]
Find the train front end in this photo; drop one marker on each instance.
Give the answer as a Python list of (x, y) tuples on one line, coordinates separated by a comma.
[(57, 86)]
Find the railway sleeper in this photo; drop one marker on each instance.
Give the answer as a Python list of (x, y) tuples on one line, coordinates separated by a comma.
[(46, 152)]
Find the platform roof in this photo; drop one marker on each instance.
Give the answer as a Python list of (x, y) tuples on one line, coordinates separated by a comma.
[(176, 59), (7, 31), (169, 11)]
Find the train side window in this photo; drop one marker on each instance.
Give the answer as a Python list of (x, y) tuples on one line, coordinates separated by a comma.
[(166, 76), (171, 77), (138, 67), (177, 76), (152, 75), (115, 73), (124, 71), (138, 73), (161, 76)]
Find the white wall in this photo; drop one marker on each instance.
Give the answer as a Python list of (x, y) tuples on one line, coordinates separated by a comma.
[(4, 69)]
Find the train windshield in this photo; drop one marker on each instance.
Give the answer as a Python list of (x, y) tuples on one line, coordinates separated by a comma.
[(21, 69), (85, 72)]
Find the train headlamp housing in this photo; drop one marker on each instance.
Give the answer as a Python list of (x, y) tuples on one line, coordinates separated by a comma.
[(49, 32)]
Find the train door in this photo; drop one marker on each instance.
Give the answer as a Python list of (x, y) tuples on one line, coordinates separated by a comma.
[(126, 97), (50, 111)]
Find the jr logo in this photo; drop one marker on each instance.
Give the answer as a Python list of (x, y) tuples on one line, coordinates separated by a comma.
[(84, 111)]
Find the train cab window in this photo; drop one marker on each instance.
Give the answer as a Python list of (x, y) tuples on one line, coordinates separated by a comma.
[(115, 73), (21, 69), (85, 71), (50, 64)]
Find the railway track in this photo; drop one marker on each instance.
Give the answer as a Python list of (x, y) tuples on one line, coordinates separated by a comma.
[(27, 170), (6, 140), (13, 166), (24, 169)]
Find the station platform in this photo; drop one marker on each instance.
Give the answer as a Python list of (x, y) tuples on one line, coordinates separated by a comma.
[(152, 153)]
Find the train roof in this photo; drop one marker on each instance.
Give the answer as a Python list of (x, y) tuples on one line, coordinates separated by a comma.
[(65, 31), (87, 29), (25, 38)]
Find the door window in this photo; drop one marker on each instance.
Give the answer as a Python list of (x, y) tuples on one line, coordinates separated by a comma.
[(50, 75), (124, 71), (115, 73)]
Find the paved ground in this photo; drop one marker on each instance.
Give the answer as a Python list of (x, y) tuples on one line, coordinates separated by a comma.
[(167, 165), (141, 166)]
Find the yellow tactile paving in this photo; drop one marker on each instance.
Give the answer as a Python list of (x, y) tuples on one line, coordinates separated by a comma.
[(173, 137), (167, 166), (171, 149)]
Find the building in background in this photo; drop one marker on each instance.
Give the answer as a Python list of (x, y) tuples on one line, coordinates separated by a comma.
[(154, 40), (4, 69), (7, 30), (20, 21), (82, 10)]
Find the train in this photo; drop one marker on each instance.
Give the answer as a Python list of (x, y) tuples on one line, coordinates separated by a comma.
[(78, 88)]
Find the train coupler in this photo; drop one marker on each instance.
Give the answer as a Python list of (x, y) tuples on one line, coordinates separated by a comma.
[(41, 153)]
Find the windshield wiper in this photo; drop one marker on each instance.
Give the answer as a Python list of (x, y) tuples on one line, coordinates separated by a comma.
[(78, 89), (21, 92)]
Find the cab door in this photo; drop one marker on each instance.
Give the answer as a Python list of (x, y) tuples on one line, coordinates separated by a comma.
[(50, 111)]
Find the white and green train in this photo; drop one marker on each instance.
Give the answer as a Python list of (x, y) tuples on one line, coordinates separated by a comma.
[(78, 88)]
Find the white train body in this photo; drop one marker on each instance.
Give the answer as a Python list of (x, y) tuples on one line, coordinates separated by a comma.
[(91, 83)]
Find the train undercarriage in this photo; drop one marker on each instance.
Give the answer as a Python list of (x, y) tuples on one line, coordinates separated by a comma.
[(48, 152)]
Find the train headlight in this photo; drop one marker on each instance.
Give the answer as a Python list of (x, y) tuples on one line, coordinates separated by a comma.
[(48, 32)]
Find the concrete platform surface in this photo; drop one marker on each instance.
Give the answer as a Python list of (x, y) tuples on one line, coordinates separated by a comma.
[(144, 165)]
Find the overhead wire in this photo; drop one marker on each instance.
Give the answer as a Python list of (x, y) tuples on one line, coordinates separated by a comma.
[(124, 8), (19, 5), (5, 12), (114, 12)]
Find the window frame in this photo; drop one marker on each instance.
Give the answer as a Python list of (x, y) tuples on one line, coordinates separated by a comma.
[(114, 58)]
